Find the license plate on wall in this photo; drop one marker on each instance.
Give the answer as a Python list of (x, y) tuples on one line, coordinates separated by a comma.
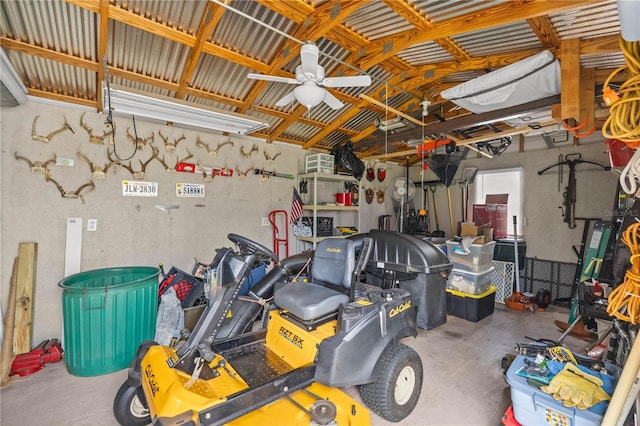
[(190, 190), (134, 188)]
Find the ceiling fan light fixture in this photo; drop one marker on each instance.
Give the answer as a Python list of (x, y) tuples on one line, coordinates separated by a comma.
[(309, 95)]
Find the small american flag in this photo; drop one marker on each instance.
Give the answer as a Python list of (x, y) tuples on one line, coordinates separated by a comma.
[(296, 206)]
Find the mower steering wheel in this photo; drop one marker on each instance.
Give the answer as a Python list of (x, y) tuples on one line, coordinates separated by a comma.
[(248, 246)]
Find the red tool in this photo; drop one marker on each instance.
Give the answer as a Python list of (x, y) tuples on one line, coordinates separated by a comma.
[(277, 238), (29, 363)]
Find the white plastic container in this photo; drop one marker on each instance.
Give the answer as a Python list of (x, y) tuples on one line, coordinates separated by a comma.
[(479, 258), (470, 282), (321, 163)]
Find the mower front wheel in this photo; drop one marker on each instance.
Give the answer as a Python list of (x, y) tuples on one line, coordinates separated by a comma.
[(128, 409), (396, 391)]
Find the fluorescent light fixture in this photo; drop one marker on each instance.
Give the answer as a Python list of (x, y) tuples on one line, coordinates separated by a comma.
[(394, 123), (127, 101), (12, 82)]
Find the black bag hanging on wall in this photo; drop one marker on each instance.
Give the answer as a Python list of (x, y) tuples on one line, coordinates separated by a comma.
[(346, 159)]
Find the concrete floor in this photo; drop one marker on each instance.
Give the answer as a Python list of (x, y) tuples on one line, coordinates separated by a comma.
[(463, 380)]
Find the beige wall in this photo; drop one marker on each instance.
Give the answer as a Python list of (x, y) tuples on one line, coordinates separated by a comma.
[(130, 230)]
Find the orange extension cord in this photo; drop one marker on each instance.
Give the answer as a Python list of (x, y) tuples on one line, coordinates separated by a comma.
[(624, 300)]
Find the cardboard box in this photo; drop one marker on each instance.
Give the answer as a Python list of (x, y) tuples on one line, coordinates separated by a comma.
[(493, 213), (483, 232)]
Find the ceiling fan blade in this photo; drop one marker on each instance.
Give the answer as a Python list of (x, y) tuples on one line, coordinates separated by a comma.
[(309, 59), (273, 78), (348, 81), (332, 101), (286, 100)]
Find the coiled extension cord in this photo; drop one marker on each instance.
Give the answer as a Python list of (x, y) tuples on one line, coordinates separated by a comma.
[(624, 300), (624, 108)]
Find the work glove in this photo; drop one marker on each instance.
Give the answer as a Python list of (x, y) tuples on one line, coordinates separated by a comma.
[(575, 388)]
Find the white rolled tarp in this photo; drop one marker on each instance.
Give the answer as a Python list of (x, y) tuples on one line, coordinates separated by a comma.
[(530, 79)]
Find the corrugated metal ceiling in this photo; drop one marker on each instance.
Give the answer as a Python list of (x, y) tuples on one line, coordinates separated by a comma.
[(54, 47)]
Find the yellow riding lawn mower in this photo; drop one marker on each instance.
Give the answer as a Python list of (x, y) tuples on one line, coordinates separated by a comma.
[(330, 332)]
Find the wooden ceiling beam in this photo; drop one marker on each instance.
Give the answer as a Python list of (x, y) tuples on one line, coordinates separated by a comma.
[(570, 79), (545, 31), (43, 52), (587, 104), (91, 103), (600, 45)]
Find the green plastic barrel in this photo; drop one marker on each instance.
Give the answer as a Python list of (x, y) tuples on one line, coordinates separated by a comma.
[(107, 313)]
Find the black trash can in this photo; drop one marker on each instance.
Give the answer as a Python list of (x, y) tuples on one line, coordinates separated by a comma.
[(408, 262), (505, 251)]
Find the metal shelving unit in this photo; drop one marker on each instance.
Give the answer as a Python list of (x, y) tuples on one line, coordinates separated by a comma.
[(325, 201)]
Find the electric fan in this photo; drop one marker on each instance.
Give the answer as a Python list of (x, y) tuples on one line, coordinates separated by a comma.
[(402, 191)]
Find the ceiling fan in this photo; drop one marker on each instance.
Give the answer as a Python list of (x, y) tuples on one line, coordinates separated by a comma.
[(311, 81)]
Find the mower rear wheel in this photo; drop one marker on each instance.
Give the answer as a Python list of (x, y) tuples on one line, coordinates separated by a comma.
[(396, 391), (128, 409)]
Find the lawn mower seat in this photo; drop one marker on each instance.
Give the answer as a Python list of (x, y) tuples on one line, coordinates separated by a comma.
[(332, 272)]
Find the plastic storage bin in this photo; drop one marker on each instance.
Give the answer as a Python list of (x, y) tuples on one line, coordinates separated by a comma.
[(478, 259), (321, 163), (531, 406), (470, 282), (472, 307), (107, 313)]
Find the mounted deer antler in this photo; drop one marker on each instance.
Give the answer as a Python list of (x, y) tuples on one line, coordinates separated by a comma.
[(168, 146), (179, 160), (36, 167), (94, 138), (140, 174), (254, 148), (98, 172), (241, 174), (269, 158), (213, 153), (47, 139), (141, 142), (205, 177), (69, 194)]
